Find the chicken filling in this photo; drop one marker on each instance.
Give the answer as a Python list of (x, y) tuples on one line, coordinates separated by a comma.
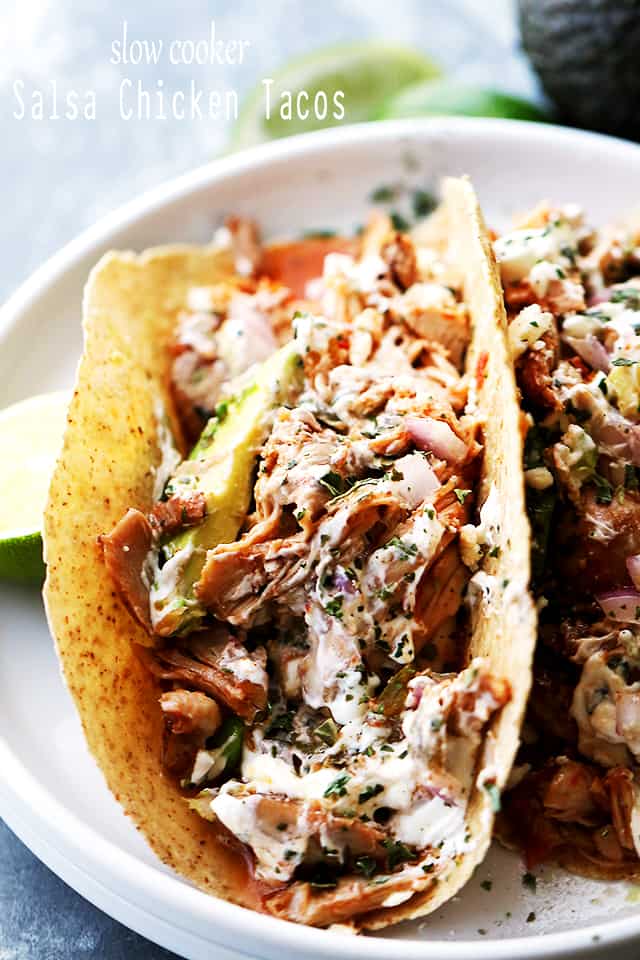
[(303, 575), (573, 299)]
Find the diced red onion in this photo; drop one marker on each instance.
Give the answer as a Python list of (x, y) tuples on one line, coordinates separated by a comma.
[(591, 351), (418, 478), (616, 437), (633, 566), (628, 714), (436, 436), (622, 605), (342, 582), (603, 296)]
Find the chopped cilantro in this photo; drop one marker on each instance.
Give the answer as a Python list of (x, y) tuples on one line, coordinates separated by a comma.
[(406, 549), (623, 362), (338, 787), (334, 607), (397, 853), (332, 482), (384, 194), (281, 723), (604, 490), (327, 732), (423, 203), (461, 494), (318, 234), (323, 878), (487, 885), (369, 792), (630, 477), (399, 222), (367, 866), (630, 296), (529, 881)]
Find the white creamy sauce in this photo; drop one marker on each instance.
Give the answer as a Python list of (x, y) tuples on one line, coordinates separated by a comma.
[(208, 764), (272, 774), (343, 276), (163, 590), (203, 301), (431, 823), (478, 540), (542, 274), (277, 853), (480, 594), (361, 275), (528, 328), (246, 337), (395, 899), (242, 666), (518, 252), (169, 455), (428, 800)]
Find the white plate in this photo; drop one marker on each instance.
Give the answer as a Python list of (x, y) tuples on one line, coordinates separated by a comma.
[(51, 794)]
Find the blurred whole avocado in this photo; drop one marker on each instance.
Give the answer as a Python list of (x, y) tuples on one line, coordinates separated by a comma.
[(586, 55)]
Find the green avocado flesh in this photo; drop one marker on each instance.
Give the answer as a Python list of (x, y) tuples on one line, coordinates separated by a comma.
[(221, 467)]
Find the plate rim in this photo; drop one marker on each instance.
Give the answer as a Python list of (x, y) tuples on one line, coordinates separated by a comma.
[(145, 883)]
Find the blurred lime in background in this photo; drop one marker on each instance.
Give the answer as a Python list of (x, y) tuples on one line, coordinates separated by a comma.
[(449, 97), (368, 73), (30, 438), (379, 81)]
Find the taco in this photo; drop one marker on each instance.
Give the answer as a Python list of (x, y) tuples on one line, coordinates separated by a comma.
[(573, 297), (288, 561)]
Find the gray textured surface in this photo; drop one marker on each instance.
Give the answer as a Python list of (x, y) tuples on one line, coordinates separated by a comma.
[(58, 176)]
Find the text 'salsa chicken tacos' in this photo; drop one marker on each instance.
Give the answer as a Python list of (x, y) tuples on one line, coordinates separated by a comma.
[(288, 561), (573, 299)]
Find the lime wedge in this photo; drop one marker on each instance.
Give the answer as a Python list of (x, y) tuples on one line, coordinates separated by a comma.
[(30, 438), (447, 97), (368, 73)]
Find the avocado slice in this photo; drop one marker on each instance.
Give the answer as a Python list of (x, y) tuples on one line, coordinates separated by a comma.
[(221, 467)]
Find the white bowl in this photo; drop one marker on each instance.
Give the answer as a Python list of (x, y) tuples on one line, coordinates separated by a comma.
[(51, 794)]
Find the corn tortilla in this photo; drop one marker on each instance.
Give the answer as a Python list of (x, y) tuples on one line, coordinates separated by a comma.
[(107, 465)]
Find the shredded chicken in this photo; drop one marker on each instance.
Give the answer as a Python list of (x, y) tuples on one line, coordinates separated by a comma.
[(176, 512), (577, 352), (220, 666), (190, 711), (125, 551)]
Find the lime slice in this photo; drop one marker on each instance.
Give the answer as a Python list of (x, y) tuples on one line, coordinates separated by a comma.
[(30, 438), (446, 97), (368, 73)]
